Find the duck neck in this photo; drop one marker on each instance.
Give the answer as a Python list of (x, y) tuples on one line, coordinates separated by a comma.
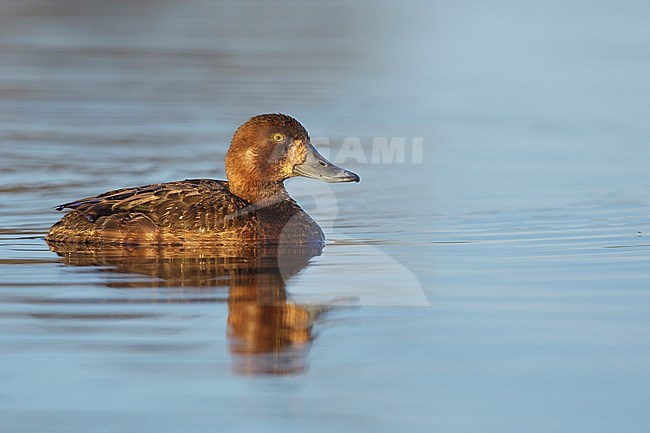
[(262, 193)]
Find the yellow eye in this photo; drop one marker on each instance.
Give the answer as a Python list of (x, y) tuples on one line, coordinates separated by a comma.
[(278, 137)]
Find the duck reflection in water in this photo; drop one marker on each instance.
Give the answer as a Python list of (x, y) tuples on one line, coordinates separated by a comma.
[(267, 332)]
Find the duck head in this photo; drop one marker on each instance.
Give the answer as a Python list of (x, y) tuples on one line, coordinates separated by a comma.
[(270, 148)]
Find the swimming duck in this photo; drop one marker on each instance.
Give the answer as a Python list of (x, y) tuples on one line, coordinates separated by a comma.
[(253, 205)]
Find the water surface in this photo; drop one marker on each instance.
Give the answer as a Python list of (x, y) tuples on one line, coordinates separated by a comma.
[(500, 285)]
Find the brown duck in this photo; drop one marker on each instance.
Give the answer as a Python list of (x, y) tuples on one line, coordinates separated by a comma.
[(253, 205)]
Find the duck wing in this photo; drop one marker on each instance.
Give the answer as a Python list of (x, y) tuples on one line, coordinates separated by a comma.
[(202, 202)]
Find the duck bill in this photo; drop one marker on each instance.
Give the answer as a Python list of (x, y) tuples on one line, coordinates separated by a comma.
[(317, 167)]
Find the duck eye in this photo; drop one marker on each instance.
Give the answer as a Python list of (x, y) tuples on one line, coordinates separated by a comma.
[(278, 137)]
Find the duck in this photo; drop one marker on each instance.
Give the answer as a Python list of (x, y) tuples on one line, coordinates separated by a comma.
[(251, 205)]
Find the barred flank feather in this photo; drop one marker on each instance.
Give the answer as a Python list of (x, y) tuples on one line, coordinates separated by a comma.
[(175, 213)]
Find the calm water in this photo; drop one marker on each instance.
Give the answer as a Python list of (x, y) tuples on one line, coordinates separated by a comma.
[(499, 285)]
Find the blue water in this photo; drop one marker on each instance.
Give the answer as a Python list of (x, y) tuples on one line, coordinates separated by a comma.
[(499, 285)]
